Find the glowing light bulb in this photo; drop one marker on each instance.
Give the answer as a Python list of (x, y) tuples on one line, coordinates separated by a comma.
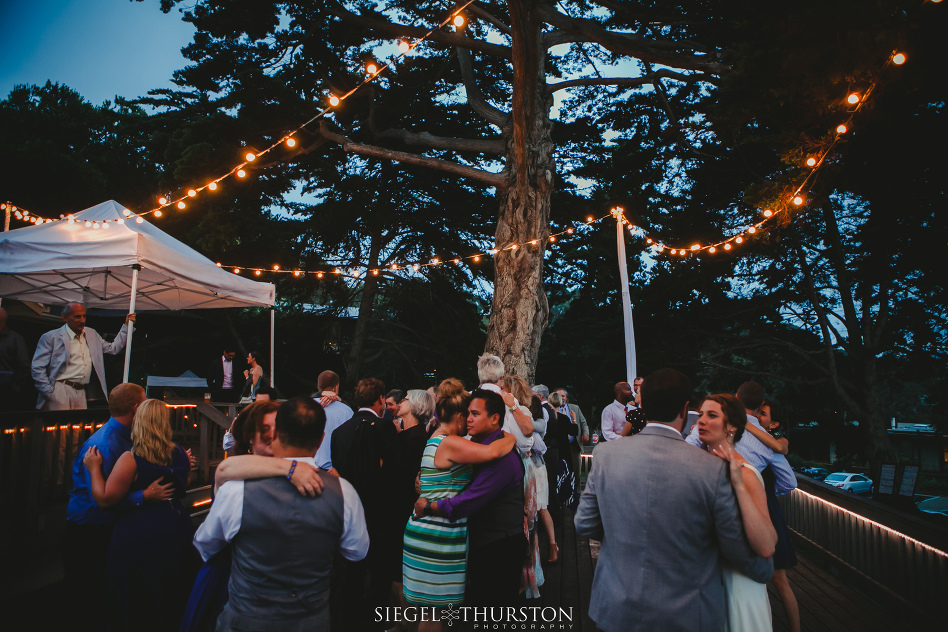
[(898, 59), (256, 272), (95, 225), (236, 270), (218, 264), (739, 240), (296, 273), (435, 261), (88, 224), (337, 271), (139, 220), (798, 200), (333, 100), (181, 206), (696, 247), (319, 275), (570, 230), (514, 247), (841, 129), (811, 162), (404, 46), (125, 212), (752, 230), (105, 225), (375, 272), (552, 238), (589, 219), (476, 258), (533, 242), (459, 20), (276, 267), (291, 142), (157, 213), (727, 246), (250, 156), (241, 173), (673, 251), (768, 212), (371, 68), (162, 200), (415, 267), (852, 99), (212, 186), (648, 240), (712, 250), (457, 261), (394, 266), (192, 192)]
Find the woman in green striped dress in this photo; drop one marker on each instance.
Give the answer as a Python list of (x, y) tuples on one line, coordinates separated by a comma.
[(434, 561)]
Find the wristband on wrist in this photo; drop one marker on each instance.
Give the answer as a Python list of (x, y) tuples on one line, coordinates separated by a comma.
[(292, 469), (428, 508)]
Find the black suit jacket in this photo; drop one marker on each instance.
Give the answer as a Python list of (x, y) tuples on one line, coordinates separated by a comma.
[(215, 374), (362, 453)]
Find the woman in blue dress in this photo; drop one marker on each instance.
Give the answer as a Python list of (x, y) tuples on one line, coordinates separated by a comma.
[(151, 562)]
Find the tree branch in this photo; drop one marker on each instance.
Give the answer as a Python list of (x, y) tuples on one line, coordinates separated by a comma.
[(473, 9), (657, 51), (631, 81), (426, 139), (391, 29), (492, 179), (474, 96)]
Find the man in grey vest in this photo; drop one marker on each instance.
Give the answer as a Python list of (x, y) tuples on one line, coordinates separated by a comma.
[(283, 543)]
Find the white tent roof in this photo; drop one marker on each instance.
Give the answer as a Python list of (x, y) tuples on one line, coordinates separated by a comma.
[(62, 262)]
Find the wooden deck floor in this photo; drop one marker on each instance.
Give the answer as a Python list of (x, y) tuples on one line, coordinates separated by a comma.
[(826, 603)]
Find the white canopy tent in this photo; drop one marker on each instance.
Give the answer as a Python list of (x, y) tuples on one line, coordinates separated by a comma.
[(130, 264)]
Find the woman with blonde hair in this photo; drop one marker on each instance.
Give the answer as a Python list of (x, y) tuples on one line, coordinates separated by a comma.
[(151, 563)]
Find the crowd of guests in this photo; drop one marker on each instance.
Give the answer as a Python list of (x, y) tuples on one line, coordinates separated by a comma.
[(326, 516)]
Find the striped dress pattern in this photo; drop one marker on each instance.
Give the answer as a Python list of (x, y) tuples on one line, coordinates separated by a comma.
[(434, 561)]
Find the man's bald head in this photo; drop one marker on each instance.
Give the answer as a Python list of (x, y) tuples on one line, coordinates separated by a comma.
[(623, 392), (75, 316)]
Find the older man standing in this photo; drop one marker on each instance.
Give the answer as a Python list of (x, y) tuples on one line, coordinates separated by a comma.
[(65, 358)]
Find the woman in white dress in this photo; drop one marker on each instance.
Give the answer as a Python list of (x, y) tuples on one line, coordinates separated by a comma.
[(720, 425)]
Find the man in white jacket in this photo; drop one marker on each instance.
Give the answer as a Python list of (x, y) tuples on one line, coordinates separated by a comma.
[(65, 357)]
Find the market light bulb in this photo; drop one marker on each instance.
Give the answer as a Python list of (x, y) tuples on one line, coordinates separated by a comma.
[(459, 20), (533, 242), (241, 173), (394, 266), (457, 261), (162, 200), (371, 68), (291, 142), (768, 212), (236, 270), (333, 100), (319, 275), (404, 46), (296, 273), (436, 261), (727, 246), (589, 219), (88, 224), (218, 264), (673, 251), (125, 212), (212, 186), (841, 129), (798, 200), (752, 230), (514, 247), (476, 258), (250, 156), (181, 206), (139, 220), (95, 225), (276, 267), (898, 59), (192, 193), (157, 213), (256, 272), (811, 162), (696, 247), (552, 238), (648, 240), (852, 99), (739, 240), (337, 271), (375, 272), (712, 250), (570, 230)]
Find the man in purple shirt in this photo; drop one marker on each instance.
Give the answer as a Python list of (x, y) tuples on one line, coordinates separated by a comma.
[(493, 504)]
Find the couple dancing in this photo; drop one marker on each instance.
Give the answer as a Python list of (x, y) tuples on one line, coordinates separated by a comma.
[(674, 552)]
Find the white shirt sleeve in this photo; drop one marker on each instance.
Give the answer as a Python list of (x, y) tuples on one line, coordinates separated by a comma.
[(354, 543), (613, 421), (223, 521)]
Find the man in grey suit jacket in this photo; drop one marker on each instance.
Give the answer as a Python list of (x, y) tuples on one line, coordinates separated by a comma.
[(666, 514), (65, 358)]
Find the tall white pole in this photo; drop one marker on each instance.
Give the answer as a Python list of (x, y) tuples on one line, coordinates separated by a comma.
[(272, 347), (131, 325), (626, 300)]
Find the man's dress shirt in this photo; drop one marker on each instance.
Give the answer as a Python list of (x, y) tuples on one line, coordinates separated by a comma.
[(223, 521), (337, 414), (113, 439), (228, 368), (490, 479), (79, 366), (613, 420), (758, 455)]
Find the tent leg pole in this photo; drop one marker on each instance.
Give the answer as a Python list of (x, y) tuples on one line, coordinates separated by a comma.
[(131, 325), (630, 368), (272, 348)]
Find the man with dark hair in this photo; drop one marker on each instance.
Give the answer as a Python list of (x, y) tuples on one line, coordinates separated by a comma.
[(65, 358), (337, 413), (751, 395), (361, 447), (283, 559), (392, 399), (89, 527), (223, 377), (665, 514), (493, 504)]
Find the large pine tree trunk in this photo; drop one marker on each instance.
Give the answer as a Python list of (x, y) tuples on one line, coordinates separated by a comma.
[(519, 310), (366, 308)]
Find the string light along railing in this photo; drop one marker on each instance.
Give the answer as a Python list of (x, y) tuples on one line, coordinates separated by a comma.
[(794, 200), (415, 266)]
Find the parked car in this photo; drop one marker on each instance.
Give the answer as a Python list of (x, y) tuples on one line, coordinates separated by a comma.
[(818, 473), (936, 505), (855, 483)]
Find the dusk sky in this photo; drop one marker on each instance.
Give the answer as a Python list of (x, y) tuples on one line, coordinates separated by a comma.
[(99, 48)]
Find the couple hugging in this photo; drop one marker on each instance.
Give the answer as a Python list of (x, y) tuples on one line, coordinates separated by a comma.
[(674, 552)]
